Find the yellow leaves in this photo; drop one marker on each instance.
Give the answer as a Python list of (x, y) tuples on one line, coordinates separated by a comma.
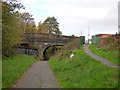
[(11, 31), (41, 28), (3, 5)]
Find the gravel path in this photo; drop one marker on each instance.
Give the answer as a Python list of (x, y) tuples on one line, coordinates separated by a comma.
[(104, 61), (38, 76)]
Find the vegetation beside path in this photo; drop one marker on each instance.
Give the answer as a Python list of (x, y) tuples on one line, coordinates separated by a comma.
[(81, 71), (14, 67), (109, 55)]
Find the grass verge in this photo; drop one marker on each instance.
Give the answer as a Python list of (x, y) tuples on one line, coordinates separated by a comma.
[(110, 55), (14, 67), (81, 71)]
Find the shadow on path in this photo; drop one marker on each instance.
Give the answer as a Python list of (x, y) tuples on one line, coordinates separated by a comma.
[(96, 57)]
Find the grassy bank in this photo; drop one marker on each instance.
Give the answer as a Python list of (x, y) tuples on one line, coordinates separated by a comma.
[(81, 71), (110, 55), (13, 68)]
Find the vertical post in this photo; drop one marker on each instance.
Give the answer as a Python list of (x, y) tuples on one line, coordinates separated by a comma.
[(79, 43), (88, 34), (25, 51), (28, 51)]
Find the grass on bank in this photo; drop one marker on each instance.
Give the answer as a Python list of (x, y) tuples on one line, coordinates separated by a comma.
[(110, 55), (81, 71), (14, 67)]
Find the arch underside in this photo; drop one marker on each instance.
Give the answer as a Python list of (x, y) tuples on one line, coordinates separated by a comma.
[(40, 47), (44, 52)]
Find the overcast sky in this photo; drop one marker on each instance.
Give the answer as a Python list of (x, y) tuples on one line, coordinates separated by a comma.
[(74, 16)]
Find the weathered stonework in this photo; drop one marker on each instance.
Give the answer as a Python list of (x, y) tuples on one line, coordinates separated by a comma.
[(43, 41)]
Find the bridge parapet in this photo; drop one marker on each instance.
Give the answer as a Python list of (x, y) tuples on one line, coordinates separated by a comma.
[(42, 41), (36, 37)]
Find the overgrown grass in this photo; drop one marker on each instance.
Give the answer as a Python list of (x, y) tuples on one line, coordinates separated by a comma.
[(14, 67), (110, 55), (69, 46), (81, 71)]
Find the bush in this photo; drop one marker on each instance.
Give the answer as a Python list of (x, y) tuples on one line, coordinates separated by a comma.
[(109, 43)]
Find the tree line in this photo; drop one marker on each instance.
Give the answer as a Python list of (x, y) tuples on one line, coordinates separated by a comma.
[(15, 24), (49, 26)]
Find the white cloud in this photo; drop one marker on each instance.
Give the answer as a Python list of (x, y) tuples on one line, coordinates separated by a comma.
[(77, 15)]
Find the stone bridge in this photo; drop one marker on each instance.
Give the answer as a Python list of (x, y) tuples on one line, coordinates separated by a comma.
[(43, 41)]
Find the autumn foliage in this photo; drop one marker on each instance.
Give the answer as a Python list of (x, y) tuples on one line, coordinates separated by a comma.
[(11, 31), (15, 24)]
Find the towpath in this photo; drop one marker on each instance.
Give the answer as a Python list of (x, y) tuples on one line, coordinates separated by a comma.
[(38, 76), (96, 57)]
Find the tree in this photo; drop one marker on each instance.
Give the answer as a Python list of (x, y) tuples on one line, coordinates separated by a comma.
[(11, 31), (41, 28), (58, 32), (27, 22), (51, 25), (73, 35), (31, 28)]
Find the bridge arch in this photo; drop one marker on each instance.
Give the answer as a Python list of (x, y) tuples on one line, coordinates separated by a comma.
[(43, 41), (46, 48)]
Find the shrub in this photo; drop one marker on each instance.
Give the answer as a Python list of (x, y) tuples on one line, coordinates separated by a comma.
[(109, 43)]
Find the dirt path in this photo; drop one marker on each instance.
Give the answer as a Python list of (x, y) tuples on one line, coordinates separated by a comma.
[(104, 61), (38, 76)]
